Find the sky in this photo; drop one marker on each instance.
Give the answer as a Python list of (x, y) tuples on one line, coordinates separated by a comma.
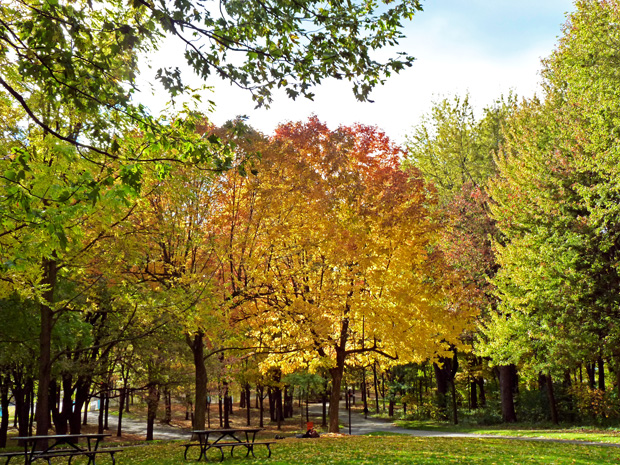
[(484, 47)]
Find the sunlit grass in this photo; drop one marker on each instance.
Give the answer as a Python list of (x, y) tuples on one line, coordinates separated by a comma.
[(577, 433), (395, 450)]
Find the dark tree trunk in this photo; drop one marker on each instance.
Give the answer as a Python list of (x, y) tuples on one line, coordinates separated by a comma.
[(152, 402), (50, 272), (220, 409), (336, 374), (22, 393), (272, 404), (247, 406), (442, 379), (4, 409), (364, 393), (483, 397), (473, 395), (54, 403), (226, 406), (455, 417), (552, 404), (168, 406), (121, 406), (374, 374), (196, 345), (506, 385), (106, 397), (189, 413), (601, 373), (261, 405), (324, 397), (590, 371), (279, 407), (100, 416)]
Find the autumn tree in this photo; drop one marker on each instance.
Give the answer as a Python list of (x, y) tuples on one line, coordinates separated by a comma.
[(346, 262)]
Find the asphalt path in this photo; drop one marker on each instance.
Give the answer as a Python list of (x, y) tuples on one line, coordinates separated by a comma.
[(362, 426), (359, 426), (138, 427)]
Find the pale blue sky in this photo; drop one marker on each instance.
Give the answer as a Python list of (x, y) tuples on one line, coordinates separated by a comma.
[(486, 47)]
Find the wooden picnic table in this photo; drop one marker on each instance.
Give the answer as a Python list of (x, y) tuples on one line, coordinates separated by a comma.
[(47, 447), (220, 438)]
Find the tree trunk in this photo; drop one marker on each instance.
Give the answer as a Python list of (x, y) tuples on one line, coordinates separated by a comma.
[(121, 406), (324, 395), (483, 397), (506, 386), (336, 375), (261, 405), (247, 406), (374, 374), (152, 402), (168, 406), (590, 372), (279, 409), (473, 395), (364, 393), (21, 394), (552, 404), (442, 379), (200, 383), (601, 373), (455, 417), (106, 417), (50, 272), (272, 404), (82, 389), (226, 406), (4, 409)]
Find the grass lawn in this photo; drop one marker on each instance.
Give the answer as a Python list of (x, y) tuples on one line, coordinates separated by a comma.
[(579, 433), (385, 449)]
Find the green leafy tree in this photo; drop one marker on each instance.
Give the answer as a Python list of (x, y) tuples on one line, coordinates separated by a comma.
[(555, 201), (452, 149)]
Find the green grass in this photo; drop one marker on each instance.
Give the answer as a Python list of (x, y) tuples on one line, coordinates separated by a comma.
[(386, 450), (578, 433)]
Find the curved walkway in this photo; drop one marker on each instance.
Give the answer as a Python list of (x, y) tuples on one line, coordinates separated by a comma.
[(361, 426), (138, 427)]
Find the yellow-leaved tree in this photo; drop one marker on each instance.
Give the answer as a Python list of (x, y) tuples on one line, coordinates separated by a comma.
[(337, 258)]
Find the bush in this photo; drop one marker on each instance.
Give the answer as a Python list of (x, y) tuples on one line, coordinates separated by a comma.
[(595, 404)]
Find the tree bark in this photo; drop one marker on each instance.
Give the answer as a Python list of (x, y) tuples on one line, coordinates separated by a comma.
[(121, 406), (261, 405), (374, 374), (442, 379), (473, 395), (506, 386), (152, 402), (50, 273), (4, 409), (590, 372), (168, 406), (601, 373), (196, 345), (247, 406), (552, 404), (336, 375)]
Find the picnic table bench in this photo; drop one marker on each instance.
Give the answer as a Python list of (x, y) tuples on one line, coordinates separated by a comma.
[(237, 437), (46, 448)]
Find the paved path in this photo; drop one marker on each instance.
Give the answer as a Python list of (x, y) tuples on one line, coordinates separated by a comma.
[(361, 426), (138, 427)]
